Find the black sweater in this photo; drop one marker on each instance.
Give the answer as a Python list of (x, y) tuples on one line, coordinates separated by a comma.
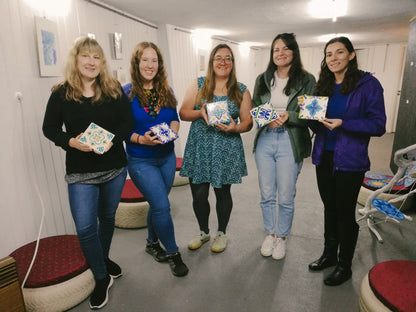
[(114, 115)]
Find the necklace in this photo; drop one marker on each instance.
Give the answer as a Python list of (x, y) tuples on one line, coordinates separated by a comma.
[(153, 107)]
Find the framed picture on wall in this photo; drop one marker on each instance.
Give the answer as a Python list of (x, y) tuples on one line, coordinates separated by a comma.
[(48, 48)]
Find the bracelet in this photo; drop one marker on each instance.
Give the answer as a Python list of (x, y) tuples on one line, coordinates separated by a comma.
[(138, 139)]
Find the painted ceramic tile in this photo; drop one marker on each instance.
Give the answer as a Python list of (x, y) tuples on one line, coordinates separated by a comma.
[(164, 132), (96, 137), (387, 208), (264, 114), (218, 113), (313, 107)]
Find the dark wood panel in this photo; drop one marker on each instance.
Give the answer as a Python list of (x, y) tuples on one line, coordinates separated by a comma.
[(405, 134)]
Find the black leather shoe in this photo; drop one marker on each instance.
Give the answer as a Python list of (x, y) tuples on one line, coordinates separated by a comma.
[(338, 276), (325, 261)]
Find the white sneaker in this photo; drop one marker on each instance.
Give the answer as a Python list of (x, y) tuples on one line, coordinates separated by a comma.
[(267, 246), (220, 242), (198, 240), (279, 250)]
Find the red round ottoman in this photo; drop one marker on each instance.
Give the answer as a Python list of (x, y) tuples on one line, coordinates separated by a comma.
[(132, 209), (389, 286), (59, 279), (178, 179)]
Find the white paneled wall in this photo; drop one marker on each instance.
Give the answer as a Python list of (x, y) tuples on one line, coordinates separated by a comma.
[(29, 162)]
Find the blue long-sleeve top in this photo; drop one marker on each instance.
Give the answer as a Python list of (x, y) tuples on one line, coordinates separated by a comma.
[(142, 124)]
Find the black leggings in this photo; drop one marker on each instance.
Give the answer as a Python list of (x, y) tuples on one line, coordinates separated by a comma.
[(201, 205), (339, 192)]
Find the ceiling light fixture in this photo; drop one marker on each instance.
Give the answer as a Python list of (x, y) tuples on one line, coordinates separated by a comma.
[(328, 8)]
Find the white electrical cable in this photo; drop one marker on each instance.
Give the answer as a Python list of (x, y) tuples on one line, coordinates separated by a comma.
[(19, 98)]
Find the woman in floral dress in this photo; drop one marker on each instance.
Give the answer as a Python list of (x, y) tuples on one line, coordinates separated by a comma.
[(214, 155)]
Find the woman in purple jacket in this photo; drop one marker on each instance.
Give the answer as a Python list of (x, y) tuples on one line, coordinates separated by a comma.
[(355, 113)]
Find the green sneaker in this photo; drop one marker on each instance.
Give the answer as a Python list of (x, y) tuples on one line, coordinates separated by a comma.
[(198, 240), (220, 243)]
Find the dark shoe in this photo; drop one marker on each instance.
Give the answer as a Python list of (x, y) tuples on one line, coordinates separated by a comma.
[(158, 253), (338, 276), (325, 261), (99, 296), (113, 268), (177, 266)]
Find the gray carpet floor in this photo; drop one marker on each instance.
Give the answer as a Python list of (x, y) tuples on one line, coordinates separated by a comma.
[(240, 279)]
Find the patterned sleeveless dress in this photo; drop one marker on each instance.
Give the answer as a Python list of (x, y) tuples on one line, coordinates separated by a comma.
[(211, 155)]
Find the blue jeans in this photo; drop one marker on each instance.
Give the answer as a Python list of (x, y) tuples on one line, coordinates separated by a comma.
[(89, 202), (154, 178), (278, 173)]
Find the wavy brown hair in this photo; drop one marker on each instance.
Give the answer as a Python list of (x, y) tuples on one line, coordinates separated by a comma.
[(105, 85), (165, 95), (206, 94), (326, 81)]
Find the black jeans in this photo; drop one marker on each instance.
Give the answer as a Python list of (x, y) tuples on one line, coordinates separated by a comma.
[(339, 192), (201, 206)]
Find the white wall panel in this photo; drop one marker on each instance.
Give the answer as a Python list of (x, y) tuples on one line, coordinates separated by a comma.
[(183, 70)]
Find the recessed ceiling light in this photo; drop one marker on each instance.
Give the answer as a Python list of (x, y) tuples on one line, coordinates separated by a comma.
[(328, 8)]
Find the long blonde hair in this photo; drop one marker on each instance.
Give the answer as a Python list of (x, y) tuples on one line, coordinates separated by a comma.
[(160, 81), (206, 94), (105, 85)]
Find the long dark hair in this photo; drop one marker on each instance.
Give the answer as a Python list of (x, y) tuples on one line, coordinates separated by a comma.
[(325, 84), (207, 91), (296, 71)]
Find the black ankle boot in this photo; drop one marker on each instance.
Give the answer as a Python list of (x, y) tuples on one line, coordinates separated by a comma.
[(338, 276), (176, 264), (158, 253), (325, 261)]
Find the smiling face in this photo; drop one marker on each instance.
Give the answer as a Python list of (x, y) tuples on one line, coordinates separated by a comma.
[(222, 62), (149, 64), (282, 55), (88, 65), (337, 58)]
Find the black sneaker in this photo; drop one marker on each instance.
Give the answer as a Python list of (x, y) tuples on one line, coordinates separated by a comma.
[(158, 253), (99, 296), (177, 266), (113, 268)]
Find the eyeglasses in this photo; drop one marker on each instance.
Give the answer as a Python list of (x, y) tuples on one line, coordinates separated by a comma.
[(227, 60)]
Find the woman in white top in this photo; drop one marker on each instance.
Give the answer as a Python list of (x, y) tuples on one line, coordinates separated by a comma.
[(281, 145)]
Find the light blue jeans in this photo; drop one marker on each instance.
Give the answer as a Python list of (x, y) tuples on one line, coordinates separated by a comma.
[(88, 203), (278, 173), (154, 178)]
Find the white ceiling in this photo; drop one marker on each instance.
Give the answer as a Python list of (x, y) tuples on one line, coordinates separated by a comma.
[(367, 21)]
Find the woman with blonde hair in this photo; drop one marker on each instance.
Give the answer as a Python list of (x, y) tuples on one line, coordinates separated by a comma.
[(95, 181), (214, 155), (151, 163)]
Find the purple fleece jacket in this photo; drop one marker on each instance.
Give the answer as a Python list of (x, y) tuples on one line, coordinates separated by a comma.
[(364, 117)]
